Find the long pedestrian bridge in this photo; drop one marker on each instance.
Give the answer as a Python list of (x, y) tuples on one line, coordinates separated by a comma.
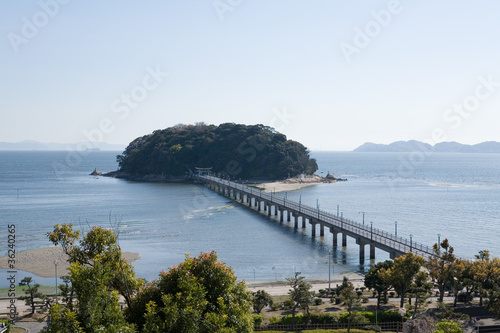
[(295, 212)]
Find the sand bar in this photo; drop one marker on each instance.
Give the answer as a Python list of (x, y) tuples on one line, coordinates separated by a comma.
[(296, 183), (41, 261)]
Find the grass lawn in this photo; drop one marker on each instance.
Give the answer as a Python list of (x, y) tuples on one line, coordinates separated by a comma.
[(46, 290)]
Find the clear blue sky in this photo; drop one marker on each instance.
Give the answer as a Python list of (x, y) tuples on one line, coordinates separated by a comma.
[(74, 67)]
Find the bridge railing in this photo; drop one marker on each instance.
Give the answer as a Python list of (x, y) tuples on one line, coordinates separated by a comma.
[(367, 231)]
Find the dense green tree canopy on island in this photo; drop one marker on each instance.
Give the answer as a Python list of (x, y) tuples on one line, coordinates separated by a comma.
[(239, 151)]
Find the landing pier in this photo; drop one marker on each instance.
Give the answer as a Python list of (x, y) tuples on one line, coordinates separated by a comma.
[(318, 220)]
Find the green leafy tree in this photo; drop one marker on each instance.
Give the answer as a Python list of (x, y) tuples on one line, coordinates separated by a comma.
[(448, 326), (67, 292), (199, 295), (351, 300), (62, 321), (420, 289), (98, 276), (261, 299), (300, 294), (402, 274), (485, 271), (466, 278), (31, 292), (377, 281), (442, 266)]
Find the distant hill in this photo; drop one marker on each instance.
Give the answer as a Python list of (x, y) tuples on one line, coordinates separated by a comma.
[(443, 147), (35, 145)]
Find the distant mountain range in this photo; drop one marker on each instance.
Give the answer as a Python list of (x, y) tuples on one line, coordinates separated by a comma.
[(443, 147), (35, 145)]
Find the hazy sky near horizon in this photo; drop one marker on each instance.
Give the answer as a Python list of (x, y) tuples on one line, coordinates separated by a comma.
[(330, 74)]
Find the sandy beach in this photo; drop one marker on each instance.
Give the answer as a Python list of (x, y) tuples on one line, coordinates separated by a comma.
[(296, 183), (41, 261)]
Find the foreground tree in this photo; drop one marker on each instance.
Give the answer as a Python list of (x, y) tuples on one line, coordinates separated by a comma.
[(485, 272), (261, 299), (402, 274), (466, 278), (442, 267), (62, 320), (98, 276), (420, 289), (199, 295), (31, 292), (376, 280), (350, 298), (300, 294)]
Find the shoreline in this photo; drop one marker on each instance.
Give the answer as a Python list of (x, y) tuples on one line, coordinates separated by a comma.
[(40, 262), (289, 184)]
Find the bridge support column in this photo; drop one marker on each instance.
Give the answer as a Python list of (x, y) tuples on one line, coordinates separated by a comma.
[(275, 210), (269, 207), (334, 239), (361, 253), (303, 222), (344, 239), (265, 206), (321, 230), (259, 204), (295, 221), (281, 215), (372, 251), (288, 215), (313, 229)]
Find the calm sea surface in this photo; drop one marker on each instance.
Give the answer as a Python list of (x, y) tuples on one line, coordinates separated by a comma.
[(454, 195)]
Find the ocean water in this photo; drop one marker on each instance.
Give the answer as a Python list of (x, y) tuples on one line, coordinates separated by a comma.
[(455, 196)]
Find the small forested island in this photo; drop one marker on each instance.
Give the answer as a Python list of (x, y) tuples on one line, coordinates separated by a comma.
[(234, 150)]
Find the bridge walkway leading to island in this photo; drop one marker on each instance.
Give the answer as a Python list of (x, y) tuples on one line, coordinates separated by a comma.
[(363, 234)]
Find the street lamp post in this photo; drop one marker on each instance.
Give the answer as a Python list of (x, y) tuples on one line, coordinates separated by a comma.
[(371, 231), (396, 228), (439, 240), (411, 245), (317, 206), (363, 217), (329, 265), (55, 264)]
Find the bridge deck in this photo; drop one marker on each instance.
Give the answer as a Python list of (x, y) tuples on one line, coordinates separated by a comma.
[(364, 234)]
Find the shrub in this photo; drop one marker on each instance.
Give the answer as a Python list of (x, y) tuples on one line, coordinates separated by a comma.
[(257, 319), (323, 318), (275, 306), (318, 301), (299, 319), (288, 304), (274, 320), (391, 294), (464, 297)]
